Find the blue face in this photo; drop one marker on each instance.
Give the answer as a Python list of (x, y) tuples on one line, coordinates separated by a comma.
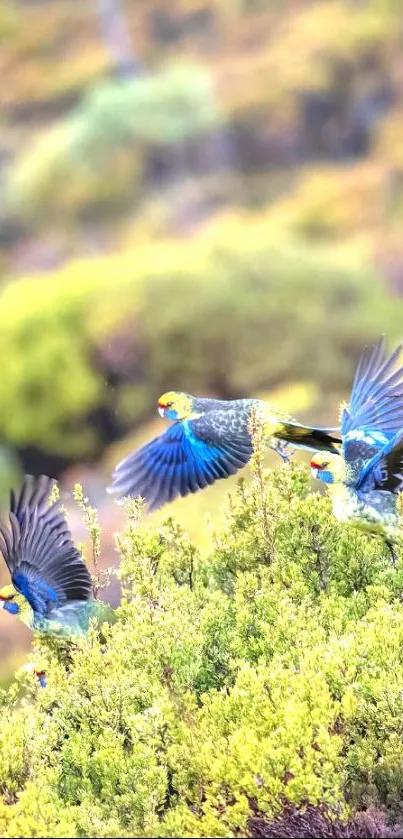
[(326, 477), (322, 474), (170, 413), (11, 607), (167, 411)]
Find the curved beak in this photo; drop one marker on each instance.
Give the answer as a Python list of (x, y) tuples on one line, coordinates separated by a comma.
[(314, 471), (161, 411)]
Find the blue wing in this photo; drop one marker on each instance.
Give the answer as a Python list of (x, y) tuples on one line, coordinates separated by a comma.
[(44, 564), (376, 402), (39, 594), (189, 456)]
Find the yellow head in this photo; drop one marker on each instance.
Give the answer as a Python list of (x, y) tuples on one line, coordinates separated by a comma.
[(329, 468), (175, 406), (9, 600)]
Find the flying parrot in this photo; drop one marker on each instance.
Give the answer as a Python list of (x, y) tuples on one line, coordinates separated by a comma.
[(365, 481), (51, 587), (209, 439)]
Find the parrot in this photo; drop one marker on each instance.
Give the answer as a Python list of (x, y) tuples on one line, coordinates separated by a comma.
[(51, 588), (365, 481), (209, 439), (36, 669)]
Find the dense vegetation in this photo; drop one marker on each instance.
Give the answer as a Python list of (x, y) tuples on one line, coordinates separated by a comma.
[(234, 687)]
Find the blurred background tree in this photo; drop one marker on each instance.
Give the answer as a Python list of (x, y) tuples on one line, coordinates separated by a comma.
[(205, 194)]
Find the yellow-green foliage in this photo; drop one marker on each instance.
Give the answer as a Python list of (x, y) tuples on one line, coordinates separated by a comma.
[(95, 158), (228, 313), (318, 36), (205, 66), (329, 203), (268, 670)]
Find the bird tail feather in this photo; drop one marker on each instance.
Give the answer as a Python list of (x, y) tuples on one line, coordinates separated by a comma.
[(313, 439)]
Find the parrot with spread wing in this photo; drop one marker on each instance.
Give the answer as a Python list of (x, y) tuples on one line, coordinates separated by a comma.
[(208, 440), (364, 483), (51, 588)]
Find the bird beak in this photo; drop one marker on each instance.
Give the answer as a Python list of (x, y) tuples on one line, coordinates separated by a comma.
[(314, 471), (161, 411)]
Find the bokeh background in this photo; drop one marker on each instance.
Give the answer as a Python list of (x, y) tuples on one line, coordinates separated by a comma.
[(203, 195)]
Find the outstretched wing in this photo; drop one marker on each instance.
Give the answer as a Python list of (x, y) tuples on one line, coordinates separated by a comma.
[(189, 456), (376, 402), (43, 562), (375, 412)]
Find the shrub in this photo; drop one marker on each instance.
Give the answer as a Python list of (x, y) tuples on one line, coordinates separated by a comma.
[(95, 159), (237, 688)]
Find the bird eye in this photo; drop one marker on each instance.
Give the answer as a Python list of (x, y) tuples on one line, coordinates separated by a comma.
[(169, 404)]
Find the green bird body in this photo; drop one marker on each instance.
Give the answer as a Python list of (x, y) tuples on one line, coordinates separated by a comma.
[(365, 481), (374, 512), (71, 621), (210, 439)]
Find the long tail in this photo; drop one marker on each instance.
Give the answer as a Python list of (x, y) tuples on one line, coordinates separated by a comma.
[(314, 439)]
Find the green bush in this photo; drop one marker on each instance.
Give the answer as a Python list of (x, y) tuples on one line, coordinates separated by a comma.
[(268, 670), (95, 159), (229, 313)]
